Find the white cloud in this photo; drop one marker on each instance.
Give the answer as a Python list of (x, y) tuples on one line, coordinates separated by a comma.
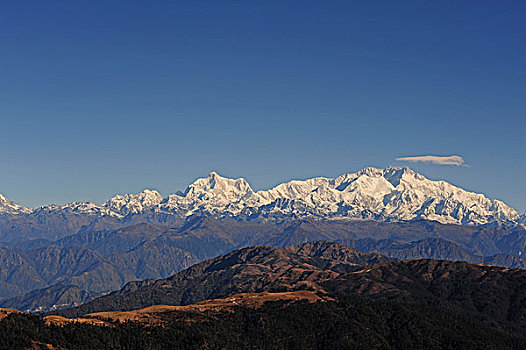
[(440, 160)]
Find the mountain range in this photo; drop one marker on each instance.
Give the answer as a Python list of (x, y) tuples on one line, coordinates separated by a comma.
[(103, 261), (390, 194)]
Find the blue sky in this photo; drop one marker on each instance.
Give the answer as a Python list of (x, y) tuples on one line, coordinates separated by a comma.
[(106, 97)]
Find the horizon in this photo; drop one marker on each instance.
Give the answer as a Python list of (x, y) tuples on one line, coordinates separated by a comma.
[(115, 97)]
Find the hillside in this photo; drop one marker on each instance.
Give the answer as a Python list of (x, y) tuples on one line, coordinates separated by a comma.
[(492, 294), (248, 270), (461, 303), (347, 323)]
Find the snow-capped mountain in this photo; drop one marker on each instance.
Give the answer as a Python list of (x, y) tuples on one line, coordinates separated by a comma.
[(134, 203), (391, 194), (86, 208), (8, 207), (213, 195)]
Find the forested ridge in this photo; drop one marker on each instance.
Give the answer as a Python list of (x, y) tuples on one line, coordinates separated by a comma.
[(348, 323)]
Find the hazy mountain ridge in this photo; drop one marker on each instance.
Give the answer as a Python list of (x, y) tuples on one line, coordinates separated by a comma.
[(48, 299), (101, 261), (22, 271), (391, 194)]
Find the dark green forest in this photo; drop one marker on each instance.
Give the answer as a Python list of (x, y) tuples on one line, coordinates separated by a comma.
[(349, 323)]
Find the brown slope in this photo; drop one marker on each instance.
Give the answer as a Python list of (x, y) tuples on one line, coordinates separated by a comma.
[(163, 314), (248, 270), (5, 312)]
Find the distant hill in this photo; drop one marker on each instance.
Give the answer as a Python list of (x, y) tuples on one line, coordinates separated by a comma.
[(207, 237), (434, 248), (22, 271)]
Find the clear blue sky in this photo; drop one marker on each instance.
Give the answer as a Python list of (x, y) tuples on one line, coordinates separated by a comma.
[(106, 97)]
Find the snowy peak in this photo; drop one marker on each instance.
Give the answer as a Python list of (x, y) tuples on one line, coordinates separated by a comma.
[(78, 208), (371, 172), (217, 188), (213, 195), (398, 175), (8, 207), (134, 203), (3, 200)]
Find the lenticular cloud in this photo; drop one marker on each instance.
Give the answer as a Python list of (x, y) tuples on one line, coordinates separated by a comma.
[(439, 160)]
